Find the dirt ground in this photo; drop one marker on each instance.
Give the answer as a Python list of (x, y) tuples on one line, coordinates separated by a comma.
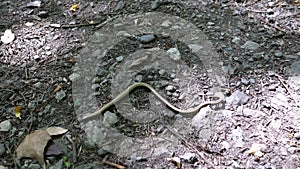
[(66, 61)]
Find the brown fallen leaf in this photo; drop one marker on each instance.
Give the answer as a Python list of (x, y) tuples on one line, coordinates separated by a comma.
[(53, 131), (33, 146)]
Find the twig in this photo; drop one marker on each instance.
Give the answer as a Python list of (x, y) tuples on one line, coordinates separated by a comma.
[(104, 161), (272, 25), (287, 88), (80, 25), (74, 157)]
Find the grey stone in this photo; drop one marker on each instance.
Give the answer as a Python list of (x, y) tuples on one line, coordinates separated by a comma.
[(146, 38), (38, 85), (245, 81), (95, 86), (170, 88), (292, 150), (295, 68), (195, 47), (110, 118), (252, 80), (60, 95), (210, 23), (161, 72), (200, 120), (96, 80), (101, 72), (237, 98), (271, 73), (228, 69), (155, 4), (74, 76), (189, 157), (225, 145), (236, 40), (101, 152), (275, 124), (5, 126), (138, 78), (161, 151), (278, 54), (43, 14), (2, 150), (297, 135), (120, 58), (249, 45), (31, 104), (174, 54), (120, 5)]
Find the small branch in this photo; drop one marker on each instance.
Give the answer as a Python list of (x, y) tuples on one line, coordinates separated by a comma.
[(113, 164), (287, 88)]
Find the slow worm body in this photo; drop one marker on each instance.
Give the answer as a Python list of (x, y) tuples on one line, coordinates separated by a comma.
[(218, 95)]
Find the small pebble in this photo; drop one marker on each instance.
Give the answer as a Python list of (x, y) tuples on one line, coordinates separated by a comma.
[(170, 88), (120, 58), (278, 54), (174, 54), (146, 38), (138, 78), (74, 76), (249, 45), (245, 81), (5, 126), (60, 95), (271, 73), (297, 135), (101, 152)]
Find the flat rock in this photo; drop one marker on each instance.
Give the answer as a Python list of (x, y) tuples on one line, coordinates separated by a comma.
[(174, 54), (249, 45), (237, 98), (5, 126)]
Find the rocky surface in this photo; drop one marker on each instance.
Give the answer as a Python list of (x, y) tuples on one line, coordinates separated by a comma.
[(65, 64)]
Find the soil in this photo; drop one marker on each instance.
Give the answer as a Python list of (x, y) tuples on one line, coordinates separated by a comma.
[(65, 64)]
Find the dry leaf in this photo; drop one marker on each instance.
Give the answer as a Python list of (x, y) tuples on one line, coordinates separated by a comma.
[(255, 149), (8, 36), (74, 7), (33, 146), (17, 111), (53, 131), (58, 87)]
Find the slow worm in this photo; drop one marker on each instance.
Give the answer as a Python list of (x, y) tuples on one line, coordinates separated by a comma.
[(218, 95)]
